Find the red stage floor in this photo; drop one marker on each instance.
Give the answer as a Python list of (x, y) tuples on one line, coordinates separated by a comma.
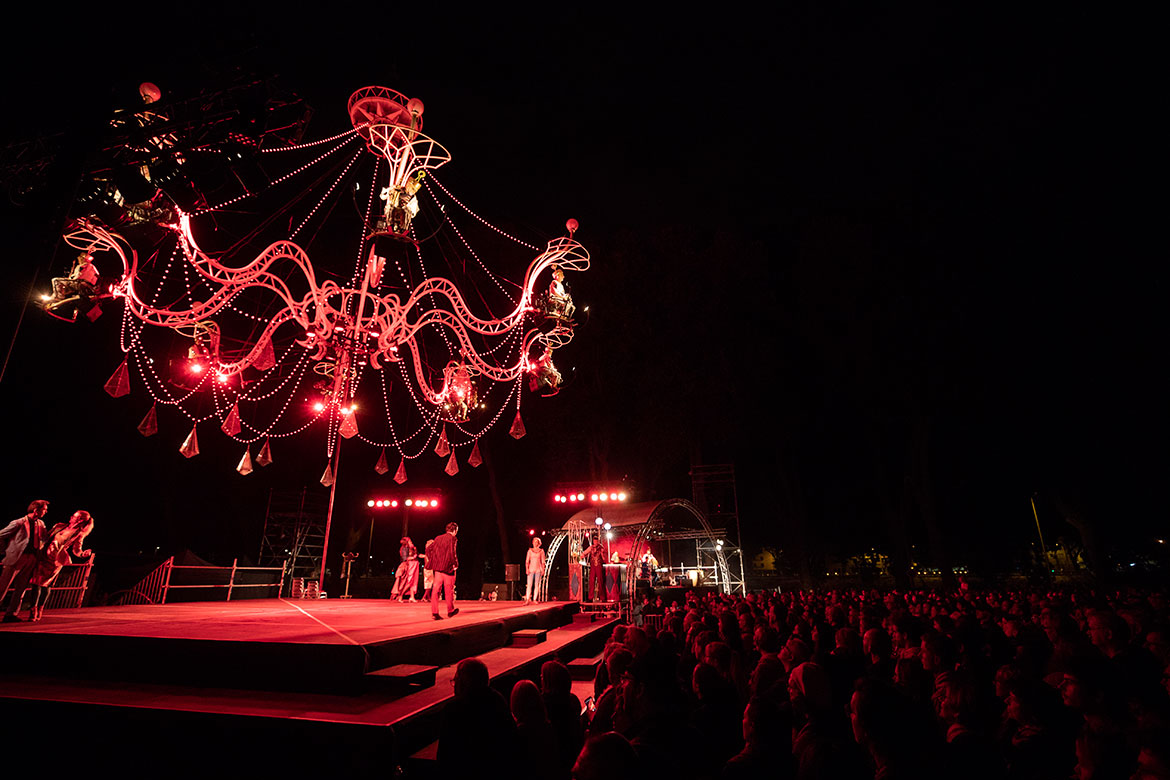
[(326, 622)]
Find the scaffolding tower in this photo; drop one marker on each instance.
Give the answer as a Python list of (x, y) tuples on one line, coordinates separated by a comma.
[(713, 492), (294, 531)]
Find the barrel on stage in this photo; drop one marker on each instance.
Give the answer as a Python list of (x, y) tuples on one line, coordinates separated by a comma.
[(615, 585), (575, 581)]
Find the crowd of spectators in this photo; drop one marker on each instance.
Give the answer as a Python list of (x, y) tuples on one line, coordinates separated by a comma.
[(846, 684)]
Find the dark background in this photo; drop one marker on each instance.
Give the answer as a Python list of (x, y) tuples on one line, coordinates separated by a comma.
[(886, 263)]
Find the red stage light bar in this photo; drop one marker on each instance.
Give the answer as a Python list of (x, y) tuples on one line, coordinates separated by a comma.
[(595, 497), (412, 502)]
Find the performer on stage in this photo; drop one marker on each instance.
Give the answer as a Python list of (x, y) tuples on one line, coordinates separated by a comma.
[(406, 578), (20, 541), (63, 539), (649, 567), (443, 559), (428, 572), (534, 564), (597, 558)]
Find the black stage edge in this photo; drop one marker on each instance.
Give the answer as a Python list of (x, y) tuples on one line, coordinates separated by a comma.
[(259, 665)]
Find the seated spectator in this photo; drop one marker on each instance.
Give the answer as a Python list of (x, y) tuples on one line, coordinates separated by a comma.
[(477, 737), (717, 717), (564, 711), (1040, 744), (968, 751), (538, 741), (767, 751), (606, 757), (900, 743), (618, 664), (1103, 757), (1153, 761)]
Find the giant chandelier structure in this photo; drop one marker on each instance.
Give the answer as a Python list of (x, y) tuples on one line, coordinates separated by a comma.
[(265, 344)]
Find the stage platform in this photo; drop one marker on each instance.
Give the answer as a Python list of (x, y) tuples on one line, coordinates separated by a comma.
[(294, 673)]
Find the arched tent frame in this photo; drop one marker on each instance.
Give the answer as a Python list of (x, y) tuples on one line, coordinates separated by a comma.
[(648, 518)]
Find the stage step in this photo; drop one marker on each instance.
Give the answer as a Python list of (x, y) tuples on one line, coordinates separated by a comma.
[(424, 763), (586, 617), (527, 637), (585, 668), (405, 676)]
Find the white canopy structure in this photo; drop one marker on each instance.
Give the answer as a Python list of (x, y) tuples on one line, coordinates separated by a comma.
[(638, 525)]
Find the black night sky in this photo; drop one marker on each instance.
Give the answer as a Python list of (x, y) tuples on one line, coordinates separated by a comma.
[(883, 262)]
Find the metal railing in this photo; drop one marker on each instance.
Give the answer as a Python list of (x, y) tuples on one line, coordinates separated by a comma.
[(153, 588), (68, 590)]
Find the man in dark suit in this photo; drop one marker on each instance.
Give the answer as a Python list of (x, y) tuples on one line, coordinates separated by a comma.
[(443, 560)]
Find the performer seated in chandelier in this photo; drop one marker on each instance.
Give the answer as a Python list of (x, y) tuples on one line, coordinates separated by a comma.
[(80, 287), (558, 301), (546, 379), (406, 577)]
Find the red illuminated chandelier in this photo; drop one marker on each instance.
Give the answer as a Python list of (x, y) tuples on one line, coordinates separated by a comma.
[(238, 327)]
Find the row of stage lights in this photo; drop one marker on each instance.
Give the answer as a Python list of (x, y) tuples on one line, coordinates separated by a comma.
[(392, 503), (572, 498)]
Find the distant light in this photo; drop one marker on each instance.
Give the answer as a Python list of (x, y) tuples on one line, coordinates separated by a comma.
[(604, 497), (607, 526), (599, 521), (196, 368), (593, 497), (573, 498), (46, 297), (613, 497), (580, 496), (531, 532), (370, 502), (621, 496), (223, 378), (434, 502), (409, 502), (394, 503), (346, 410), (318, 407), (609, 534)]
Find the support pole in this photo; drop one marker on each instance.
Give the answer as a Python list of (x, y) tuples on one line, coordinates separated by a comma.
[(329, 515), (1043, 549)]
